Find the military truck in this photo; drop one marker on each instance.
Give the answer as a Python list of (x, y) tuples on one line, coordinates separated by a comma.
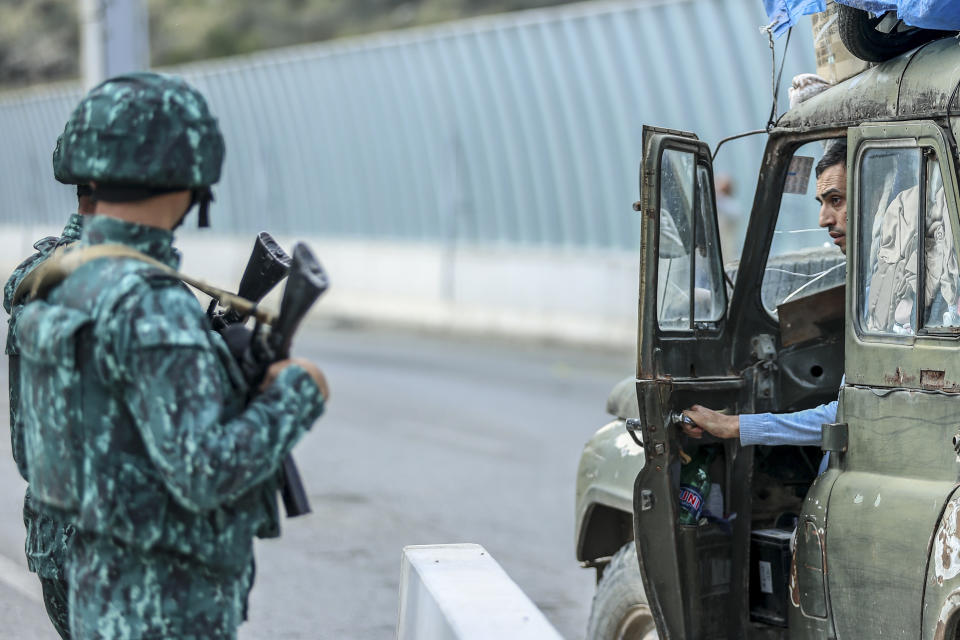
[(868, 548)]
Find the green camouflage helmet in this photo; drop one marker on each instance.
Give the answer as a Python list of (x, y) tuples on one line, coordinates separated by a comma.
[(59, 171), (143, 129)]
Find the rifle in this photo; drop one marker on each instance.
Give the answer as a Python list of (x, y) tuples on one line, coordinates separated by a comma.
[(306, 282), (255, 351)]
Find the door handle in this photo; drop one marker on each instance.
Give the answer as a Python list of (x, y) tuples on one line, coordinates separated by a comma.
[(635, 429)]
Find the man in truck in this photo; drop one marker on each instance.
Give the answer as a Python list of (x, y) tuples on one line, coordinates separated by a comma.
[(801, 428), (891, 291)]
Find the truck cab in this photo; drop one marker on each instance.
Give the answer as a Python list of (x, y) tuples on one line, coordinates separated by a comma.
[(862, 542)]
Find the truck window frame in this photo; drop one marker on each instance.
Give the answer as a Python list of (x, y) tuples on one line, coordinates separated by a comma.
[(701, 157), (922, 140)]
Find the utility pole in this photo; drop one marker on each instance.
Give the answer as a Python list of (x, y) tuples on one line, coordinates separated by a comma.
[(114, 38)]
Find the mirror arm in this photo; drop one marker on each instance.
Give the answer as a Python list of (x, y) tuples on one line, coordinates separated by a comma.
[(716, 149)]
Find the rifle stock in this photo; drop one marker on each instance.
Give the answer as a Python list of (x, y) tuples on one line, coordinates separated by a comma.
[(267, 266), (306, 282)]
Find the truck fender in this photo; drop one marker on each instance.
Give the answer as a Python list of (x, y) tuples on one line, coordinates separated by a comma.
[(604, 500), (941, 598)]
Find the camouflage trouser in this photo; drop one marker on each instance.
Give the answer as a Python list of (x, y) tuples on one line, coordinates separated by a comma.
[(117, 593), (46, 543)]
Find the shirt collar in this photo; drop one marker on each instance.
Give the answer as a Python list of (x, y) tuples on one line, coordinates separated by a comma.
[(154, 242), (71, 232)]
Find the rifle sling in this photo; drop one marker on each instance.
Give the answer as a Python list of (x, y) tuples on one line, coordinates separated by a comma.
[(67, 259)]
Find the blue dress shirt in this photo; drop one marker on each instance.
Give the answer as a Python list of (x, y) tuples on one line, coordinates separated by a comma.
[(802, 428)]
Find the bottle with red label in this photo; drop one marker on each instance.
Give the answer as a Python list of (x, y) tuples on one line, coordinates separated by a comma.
[(695, 485)]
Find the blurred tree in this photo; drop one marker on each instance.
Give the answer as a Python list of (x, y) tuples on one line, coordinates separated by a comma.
[(39, 39)]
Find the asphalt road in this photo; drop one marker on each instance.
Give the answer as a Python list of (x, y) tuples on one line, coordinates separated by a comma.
[(427, 439)]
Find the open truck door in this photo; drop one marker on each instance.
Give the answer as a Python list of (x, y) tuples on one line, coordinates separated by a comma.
[(683, 358)]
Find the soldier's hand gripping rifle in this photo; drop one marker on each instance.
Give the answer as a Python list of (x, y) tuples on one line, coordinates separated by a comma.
[(306, 282)]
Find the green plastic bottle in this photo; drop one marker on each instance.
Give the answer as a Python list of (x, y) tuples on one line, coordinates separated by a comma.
[(695, 485)]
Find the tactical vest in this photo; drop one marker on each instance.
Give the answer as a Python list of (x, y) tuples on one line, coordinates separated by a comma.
[(43, 247), (85, 455)]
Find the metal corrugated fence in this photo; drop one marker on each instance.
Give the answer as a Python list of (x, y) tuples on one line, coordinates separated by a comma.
[(520, 128)]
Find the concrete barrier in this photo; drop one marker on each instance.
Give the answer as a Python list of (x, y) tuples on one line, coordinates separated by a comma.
[(459, 592), (579, 296)]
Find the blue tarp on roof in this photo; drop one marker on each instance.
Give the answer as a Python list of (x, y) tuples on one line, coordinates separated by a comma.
[(784, 14), (928, 14)]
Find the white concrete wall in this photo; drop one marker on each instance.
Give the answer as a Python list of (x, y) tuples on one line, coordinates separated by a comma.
[(575, 296), (459, 592)]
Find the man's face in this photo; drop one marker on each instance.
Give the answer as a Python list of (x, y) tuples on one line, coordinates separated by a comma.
[(832, 196)]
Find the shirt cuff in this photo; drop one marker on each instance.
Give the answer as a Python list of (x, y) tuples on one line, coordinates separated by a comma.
[(752, 428)]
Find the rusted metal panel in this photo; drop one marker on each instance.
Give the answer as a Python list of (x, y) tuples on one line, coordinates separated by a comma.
[(808, 587), (941, 601), (877, 535), (904, 433), (655, 528), (929, 80), (946, 544), (932, 379), (810, 568), (899, 471), (947, 620), (872, 95), (915, 85)]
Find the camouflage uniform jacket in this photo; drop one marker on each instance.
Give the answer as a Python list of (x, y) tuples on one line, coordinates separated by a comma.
[(44, 247), (47, 536), (124, 379)]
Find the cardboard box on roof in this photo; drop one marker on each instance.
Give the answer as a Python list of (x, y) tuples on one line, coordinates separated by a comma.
[(834, 61)]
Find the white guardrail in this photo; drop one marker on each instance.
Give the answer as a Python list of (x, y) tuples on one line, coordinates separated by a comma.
[(459, 592)]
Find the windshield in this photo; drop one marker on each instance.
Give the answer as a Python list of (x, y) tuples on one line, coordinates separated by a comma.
[(803, 258)]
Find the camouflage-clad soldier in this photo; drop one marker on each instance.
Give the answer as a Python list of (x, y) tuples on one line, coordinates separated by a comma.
[(136, 416), (47, 535)]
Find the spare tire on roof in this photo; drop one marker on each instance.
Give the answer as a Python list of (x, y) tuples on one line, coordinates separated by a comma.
[(879, 38)]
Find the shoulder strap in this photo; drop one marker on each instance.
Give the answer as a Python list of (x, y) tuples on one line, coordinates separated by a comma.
[(65, 260), (44, 245)]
